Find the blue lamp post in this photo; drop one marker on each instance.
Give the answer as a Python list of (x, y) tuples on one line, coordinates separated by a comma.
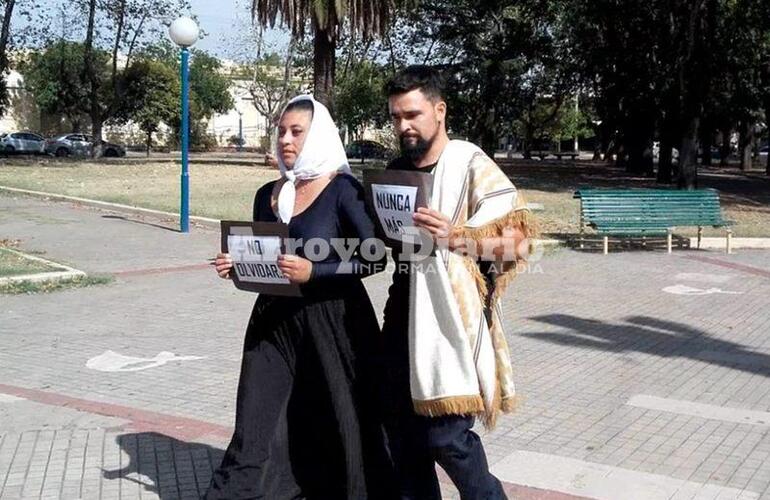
[(184, 32)]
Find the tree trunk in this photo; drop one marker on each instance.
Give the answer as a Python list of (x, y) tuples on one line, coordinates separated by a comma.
[(133, 40), (745, 144), (693, 80), (92, 79), (639, 133), (118, 35), (526, 147), (324, 46), (620, 150), (668, 137), (149, 143), (486, 124), (688, 155), (767, 118), (5, 33), (665, 161), (724, 150), (706, 141)]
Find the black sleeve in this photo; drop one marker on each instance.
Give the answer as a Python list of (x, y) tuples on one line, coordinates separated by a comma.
[(262, 202), (356, 223)]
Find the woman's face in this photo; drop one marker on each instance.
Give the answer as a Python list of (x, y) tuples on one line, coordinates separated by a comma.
[(292, 132)]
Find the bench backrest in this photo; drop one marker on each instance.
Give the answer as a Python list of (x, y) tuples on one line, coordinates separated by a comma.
[(650, 207)]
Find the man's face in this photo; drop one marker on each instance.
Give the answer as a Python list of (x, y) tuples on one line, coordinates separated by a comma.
[(417, 120)]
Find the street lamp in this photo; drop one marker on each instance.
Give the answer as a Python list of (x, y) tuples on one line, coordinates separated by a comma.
[(184, 32)]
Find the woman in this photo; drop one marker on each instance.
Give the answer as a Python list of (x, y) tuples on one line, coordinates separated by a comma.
[(305, 425)]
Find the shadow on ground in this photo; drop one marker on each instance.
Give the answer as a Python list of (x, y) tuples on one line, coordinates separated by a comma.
[(649, 335), (166, 466), (736, 188)]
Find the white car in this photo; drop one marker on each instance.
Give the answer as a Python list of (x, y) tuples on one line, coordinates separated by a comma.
[(22, 142)]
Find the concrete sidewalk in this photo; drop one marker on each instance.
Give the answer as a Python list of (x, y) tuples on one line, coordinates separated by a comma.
[(644, 375)]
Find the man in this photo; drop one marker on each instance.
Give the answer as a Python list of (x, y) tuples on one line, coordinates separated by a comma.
[(446, 360)]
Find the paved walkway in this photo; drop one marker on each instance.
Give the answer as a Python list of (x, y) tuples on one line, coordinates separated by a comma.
[(643, 375)]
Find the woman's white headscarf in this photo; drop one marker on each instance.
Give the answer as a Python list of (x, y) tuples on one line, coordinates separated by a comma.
[(321, 154)]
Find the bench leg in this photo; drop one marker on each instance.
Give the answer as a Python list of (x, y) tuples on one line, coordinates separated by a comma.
[(700, 235), (729, 241), (606, 245), (668, 241), (582, 221)]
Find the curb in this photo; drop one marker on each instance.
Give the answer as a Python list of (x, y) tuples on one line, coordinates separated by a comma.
[(67, 273), (711, 242), (111, 206), (719, 243)]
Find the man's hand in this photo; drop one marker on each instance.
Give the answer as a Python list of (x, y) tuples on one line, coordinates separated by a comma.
[(433, 221), (296, 269)]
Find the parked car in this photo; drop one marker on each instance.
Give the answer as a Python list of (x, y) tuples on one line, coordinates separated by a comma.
[(21, 142), (79, 145), (367, 149)]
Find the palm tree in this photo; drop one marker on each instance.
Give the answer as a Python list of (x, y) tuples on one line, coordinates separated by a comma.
[(326, 17)]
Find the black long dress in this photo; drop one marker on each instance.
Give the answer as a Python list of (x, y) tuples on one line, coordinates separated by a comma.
[(306, 424)]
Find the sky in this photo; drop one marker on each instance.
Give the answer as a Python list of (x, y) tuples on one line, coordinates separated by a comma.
[(226, 25)]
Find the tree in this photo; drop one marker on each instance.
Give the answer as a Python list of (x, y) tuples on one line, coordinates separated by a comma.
[(117, 24), (273, 82), (9, 38), (326, 18), (4, 35), (499, 58), (360, 98), (209, 86), (151, 93), (53, 76)]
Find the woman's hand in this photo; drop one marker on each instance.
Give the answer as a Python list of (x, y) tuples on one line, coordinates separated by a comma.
[(223, 264), (296, 269)]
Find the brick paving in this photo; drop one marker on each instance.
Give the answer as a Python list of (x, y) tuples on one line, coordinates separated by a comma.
[(587, 332)]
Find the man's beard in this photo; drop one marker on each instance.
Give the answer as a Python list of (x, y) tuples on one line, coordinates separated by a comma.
[(415, 151)]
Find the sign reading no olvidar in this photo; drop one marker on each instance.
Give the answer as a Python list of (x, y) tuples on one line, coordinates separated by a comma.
[(255, 258), (255, 248)]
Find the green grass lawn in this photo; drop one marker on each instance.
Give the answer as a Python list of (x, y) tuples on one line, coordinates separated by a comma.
[(226, 191), (15, 265), (744, 200), (29, 288), (218, 191), (12, 264)]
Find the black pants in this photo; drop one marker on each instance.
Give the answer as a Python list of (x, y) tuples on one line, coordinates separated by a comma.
[(417, 443)]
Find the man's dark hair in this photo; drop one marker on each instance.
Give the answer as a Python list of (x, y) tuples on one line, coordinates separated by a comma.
[(425, 78)]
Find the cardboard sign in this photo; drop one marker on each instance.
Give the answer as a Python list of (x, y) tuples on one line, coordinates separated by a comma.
[(394, 196), (254, 248)]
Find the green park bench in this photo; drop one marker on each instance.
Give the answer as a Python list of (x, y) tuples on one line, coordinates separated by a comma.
[(649, 212)]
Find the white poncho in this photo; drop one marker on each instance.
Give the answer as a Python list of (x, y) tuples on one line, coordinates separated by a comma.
[(460, 363)]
